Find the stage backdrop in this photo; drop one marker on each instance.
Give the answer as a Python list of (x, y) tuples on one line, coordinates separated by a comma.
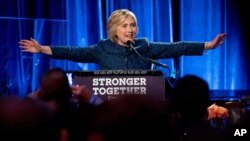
[(83, 22)]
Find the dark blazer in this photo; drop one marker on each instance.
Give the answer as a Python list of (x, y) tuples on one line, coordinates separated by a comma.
[(112, 56)]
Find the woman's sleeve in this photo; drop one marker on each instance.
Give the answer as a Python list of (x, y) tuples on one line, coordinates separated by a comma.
[(77, 54), (161, 50)]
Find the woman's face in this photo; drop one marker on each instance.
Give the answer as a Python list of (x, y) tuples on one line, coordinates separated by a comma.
[(126, 31)]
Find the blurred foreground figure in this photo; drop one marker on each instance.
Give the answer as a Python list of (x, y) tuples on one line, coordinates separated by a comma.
[(70, 105), (190, 99), (25, 120), (133, 118)]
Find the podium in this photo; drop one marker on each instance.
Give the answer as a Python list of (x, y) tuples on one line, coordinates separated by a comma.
[(109, 84)]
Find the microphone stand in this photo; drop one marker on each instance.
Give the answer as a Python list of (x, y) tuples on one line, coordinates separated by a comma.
[(129, 43), (145, 59)]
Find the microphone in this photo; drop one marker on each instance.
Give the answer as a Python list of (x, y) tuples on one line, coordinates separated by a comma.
[(129, 43)]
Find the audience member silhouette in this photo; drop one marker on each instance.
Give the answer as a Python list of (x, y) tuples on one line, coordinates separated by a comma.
[(56, 92), (25, 120), (190, 100), (133, 118)]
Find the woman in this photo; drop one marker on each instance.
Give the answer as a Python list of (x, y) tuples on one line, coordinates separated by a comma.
[(115, 53)]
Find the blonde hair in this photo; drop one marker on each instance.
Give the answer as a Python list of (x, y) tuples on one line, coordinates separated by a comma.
[(117, 18)]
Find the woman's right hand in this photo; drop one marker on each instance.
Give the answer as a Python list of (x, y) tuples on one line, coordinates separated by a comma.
[(31, 46)]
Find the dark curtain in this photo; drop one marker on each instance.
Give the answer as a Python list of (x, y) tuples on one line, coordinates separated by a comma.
[(83, 22)]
